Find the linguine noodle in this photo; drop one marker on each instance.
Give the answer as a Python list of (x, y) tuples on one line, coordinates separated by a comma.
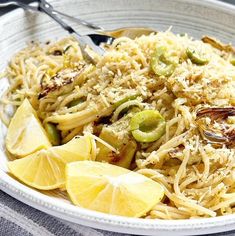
[(198, 174)]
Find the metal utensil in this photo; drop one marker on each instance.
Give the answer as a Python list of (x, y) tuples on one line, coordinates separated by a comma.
[(5, 3), (83, 40), (131, 32), (92, 40)]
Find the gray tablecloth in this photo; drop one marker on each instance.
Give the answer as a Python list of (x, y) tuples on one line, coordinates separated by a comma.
[(18, 219)]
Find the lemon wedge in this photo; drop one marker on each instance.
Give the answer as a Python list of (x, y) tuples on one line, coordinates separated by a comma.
[(39, 170), (25, 133), (77, 149), (45, 169), (111, 189)]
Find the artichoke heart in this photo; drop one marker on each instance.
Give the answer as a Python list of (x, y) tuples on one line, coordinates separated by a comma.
[(118, 137), (214, 126)]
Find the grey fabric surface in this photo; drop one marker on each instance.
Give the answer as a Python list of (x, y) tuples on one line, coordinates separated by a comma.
[(18, 219)]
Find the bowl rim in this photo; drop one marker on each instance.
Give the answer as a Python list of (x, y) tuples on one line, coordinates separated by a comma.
[(104, 221), (215, 4), (92, 218)]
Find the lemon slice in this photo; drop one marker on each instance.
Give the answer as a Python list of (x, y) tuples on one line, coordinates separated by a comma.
[(25, 133), (111, 189), (45, 169), (39, 170), (77, 149)]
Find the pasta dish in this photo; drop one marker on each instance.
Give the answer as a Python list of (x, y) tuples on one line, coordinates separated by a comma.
[(162, 106)]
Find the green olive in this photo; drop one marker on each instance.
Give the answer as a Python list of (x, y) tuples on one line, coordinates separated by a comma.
[(126, 99), (147, 126), (160, 64), (53, 134), (76, 102), (196, 57)]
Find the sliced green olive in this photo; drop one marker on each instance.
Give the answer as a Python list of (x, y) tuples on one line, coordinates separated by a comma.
[(53, 134), (126, 99), (196, 57), (76, 102), (160, 64), (147, 126)]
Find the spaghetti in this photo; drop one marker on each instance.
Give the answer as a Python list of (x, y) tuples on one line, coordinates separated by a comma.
[(196, 170)]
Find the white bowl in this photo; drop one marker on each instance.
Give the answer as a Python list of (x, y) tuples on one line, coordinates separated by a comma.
[(192, 16)]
